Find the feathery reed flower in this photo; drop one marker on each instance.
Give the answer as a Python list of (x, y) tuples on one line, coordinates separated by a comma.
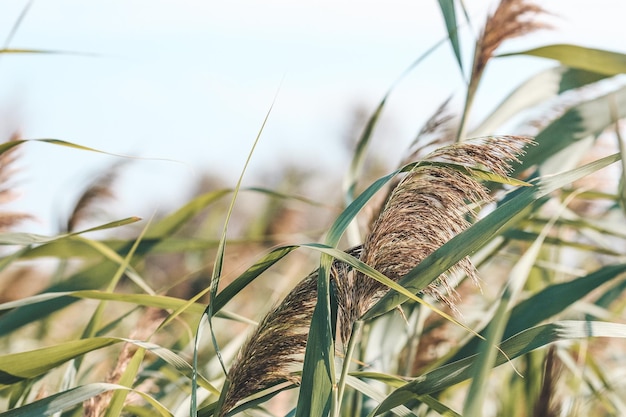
[(511, 19), (99, 190), (145, 328), (277, 345), (427, 208), (7, 194)]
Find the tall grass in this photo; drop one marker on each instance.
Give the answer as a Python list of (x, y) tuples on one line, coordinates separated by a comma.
[(488, 279)]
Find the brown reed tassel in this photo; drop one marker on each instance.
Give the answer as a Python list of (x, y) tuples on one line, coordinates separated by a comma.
[(427, 208), (511, 19), (9, 219), (276, 347), (100, 190)]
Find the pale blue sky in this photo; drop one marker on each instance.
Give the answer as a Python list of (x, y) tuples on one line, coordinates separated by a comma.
[(192, 81)]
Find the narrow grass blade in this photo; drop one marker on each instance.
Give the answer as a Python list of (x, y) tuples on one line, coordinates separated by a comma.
[(387, 379), (561, 243), (589, 59), (15, 367), (17, 24), (255, 402), (277, 194), (72, 397), (355, 336), (621, 185), (110, 225), (438, 406), (23, 239), (449, 15), (124, 264), (318, 372), (176, 362), (515, 346), (147, 300), (610, 296), (217, 272), (360, 153), (250, 275), (26, 365), (589, 118), (116, 405), (400, 410), (59, 142), (70, 247)]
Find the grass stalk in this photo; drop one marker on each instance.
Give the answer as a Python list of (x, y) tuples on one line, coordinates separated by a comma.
[(355, 335)]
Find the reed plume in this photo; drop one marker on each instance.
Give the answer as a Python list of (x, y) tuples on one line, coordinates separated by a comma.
[(546, 404), (99, 190), (148, 323), (427, 208), (276, 348), (9, 219), (511, 19), (438, 131)]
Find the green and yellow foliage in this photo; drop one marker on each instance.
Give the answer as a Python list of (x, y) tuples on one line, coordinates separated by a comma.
[(485, 276)]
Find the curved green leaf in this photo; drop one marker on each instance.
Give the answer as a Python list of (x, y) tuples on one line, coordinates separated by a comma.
[(15, 367), (449, 16), (70, 247), (59, 142), (553, 300), (72, 397), (11, 238), (589, 118), (589, 59), (534, 91), (250, 275), (520, 344)]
